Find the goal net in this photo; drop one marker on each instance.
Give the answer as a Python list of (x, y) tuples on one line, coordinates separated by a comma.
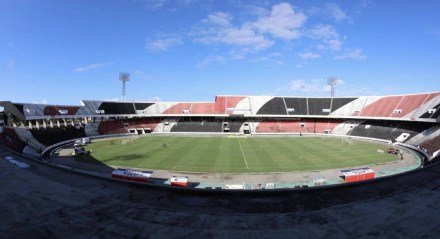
[(349, 142)]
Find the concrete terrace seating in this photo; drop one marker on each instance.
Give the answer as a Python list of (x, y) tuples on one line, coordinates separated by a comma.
[(198, 126), (116, 108), (112, 127), (150, 123), (297, 106), (432, 145), (388, 129), (318, 105), (50, 136), (203, 108), (9, 139), (178, 108), (234, 127), (274, 106), (297, 126)]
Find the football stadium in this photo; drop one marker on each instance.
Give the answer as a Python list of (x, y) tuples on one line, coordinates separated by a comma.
[(222, 128), (302, 142)]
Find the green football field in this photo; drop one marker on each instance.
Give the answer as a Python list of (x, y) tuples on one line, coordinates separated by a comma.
[(235, 154)]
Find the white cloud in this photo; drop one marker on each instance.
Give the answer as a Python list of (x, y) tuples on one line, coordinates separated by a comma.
[(281, 23), (322, 31), (171, 5), (336, 12), (89, 67), (218, 18), (209, 60), (309, 55), (334, 44), (163, 44), (299, 66), (312, 86), (328, 35), (355, 54)]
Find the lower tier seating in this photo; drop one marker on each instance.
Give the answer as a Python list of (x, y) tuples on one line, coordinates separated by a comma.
[(50, 136), (112, 127), (389, 130), (9, 139), (198, 126), (432, 145), (297, 126)]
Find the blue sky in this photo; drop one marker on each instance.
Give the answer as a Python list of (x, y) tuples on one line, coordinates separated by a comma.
[(191, 50)]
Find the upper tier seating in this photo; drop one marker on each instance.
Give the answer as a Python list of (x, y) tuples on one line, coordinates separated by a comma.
[(435, 115), (178, 108), (319, 106), (274, 106), (60, 110), (116, 108), (50, 136), (202, 108), (296, 106), (337, 103)]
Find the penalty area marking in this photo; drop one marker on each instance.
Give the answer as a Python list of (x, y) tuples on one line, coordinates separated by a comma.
[(244, 157)]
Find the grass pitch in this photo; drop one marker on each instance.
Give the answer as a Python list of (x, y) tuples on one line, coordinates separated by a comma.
[(236, 154)]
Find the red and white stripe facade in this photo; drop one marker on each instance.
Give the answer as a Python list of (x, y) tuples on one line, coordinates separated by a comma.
[(415, 107)]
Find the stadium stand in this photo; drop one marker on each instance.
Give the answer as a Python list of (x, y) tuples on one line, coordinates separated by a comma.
[(271, 126), (50, 136), (399, 117), (321, 126), (431, 145), (296, 106), (325, 126), (146, 124), (9, 139), (202, 125), (234, 126), (202, 108), (432, 115), (275, 106), (112, 127), (389, 130), (142, 106), (384, 107), (60, 110), (178, 108), (319, 106), (113, 108), (337, 103)]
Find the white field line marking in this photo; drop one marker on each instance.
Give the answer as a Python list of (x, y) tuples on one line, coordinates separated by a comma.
[(244, 157)]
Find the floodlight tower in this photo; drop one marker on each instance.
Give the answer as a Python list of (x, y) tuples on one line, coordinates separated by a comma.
[(124, 77), (332, 82)]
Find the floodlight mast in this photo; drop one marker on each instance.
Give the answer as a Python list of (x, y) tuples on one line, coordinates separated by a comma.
[(124, 77), (332, 82)]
